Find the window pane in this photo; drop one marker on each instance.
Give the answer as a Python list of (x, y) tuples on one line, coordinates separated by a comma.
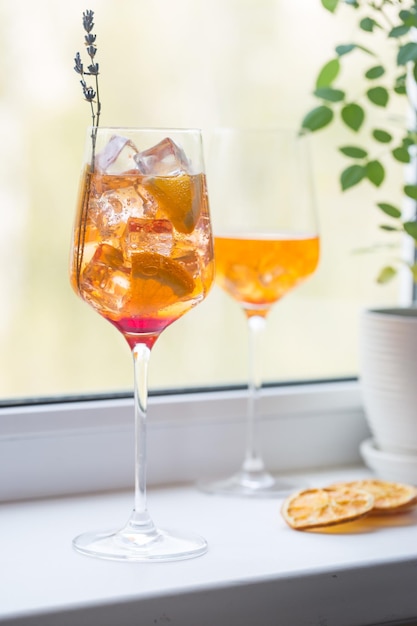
[(163, 63)]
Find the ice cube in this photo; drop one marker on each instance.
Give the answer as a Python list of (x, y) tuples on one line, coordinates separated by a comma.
[(111, 211), (148, 235), (189, 260), (119, 149), (106, 280), (163, 159), (150, 204)]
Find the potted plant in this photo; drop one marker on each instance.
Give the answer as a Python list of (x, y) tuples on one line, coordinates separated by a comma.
[(388, 338)]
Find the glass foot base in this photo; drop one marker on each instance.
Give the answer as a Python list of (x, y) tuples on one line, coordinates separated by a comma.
[(161, 545), (243, 484)]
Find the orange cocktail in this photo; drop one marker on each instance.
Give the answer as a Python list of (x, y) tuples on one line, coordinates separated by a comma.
[(142, 254), (257, 271)]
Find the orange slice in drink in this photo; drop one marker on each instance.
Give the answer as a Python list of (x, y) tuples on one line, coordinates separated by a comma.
[(180, 199), (157, 282), (317, 508), (389, 497)]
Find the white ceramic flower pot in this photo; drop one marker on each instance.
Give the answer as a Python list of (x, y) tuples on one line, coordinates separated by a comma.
[(388, 373)]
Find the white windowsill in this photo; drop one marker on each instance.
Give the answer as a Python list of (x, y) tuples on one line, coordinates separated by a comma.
[(257, 570), (68, 468), (71, 448)]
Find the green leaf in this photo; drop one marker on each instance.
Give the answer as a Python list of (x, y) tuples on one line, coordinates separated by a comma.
[(404, 15), (375, 72), (411, 229), (400, 85), (410, 19), (389, 209), (327, 93), (386, 274), (353, 152), (328, 73), (330, 5), (381, 135), (353, 116), (406, 53), (345, 49), (401, 154), (348, 47), (413, 269), (317, 118), (399, 31), (388, 228), (400, 90), (368, 24), (375, 172), (409, 140), (411, 191), (378, 96), (352, 175)]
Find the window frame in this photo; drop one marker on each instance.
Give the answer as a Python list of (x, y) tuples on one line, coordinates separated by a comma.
[(61, 448)]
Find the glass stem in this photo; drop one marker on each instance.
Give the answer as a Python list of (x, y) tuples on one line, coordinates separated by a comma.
[(140, 520), (253, 463)]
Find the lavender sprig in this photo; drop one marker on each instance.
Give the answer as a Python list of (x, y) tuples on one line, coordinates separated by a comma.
[(91, 94)]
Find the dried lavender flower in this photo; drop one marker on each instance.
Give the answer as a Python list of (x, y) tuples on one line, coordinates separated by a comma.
[(91, 94), (78, 64), (93, 69), (88, 20)]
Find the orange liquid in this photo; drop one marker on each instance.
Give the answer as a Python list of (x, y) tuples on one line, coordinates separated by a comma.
[(142, 249), (258, 271)]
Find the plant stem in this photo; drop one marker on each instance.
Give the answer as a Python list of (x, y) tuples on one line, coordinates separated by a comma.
[(98, 103)]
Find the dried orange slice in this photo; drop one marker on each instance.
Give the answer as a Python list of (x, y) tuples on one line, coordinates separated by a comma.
[(180, 198), (389, 497), (316, 508)]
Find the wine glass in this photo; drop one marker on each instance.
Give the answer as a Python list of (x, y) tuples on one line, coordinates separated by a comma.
[(142, 256), (266, 243)]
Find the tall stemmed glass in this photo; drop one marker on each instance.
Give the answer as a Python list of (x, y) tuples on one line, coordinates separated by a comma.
[(142, 256), (266, 243)]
